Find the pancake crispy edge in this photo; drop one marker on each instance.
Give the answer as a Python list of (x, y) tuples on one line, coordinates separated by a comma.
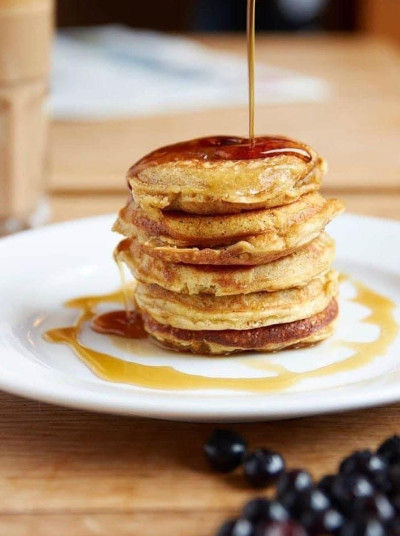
[(265, 339)]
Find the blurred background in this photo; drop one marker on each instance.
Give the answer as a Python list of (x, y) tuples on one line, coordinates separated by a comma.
[(378, 16), (129, 76), (108, 51)]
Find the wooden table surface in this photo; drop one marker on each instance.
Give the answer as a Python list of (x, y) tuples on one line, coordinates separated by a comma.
[(66, 472)]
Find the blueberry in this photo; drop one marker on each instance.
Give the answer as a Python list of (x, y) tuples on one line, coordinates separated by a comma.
[(226, 528), (310, 500), (395, 501), (376, 464), (393, 478), (329, 521), (236, 527), (348, 488), (281, 528), (369, 464), (390, 449), (364, 462), (242, 527), (325, 484), (381, 482), (377, 506), (291, 483), (352, 463), (393, 527), (225, 450), (261, 509), (363, 527), (256, 509), (263, 467)]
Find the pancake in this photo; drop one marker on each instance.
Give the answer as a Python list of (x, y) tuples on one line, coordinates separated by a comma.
[(219, 175), (265, 339), (255, 237), (293, 270), (240, 312), (181, 229), (225, 237)]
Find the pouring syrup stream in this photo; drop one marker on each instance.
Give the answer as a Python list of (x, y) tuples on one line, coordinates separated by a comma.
[(251, 16)]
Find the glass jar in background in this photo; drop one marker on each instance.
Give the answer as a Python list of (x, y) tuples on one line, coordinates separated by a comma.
[(25, 40)]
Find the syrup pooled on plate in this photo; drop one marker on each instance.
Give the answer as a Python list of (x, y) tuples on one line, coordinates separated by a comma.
[(125, 322), (214, 148), (120, 323), (114, 369)]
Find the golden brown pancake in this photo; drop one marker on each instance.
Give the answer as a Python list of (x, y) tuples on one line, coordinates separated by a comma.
[(239, 312), (296, 269), (265, 339), (254, 237), (211, 175), (183, 229), (225, 237)]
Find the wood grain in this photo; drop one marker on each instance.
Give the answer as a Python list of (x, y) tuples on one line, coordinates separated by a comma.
[(87, 472), (153, 523), (68, 472)]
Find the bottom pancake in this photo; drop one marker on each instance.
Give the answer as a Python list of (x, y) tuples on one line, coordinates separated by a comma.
[(265, 339)]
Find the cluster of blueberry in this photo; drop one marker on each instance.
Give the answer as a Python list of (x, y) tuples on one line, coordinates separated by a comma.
[(361, 499)]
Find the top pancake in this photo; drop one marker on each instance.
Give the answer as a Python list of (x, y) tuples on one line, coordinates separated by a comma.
[(222, 175)]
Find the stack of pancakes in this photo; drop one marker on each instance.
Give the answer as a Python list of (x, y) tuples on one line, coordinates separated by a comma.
[(230, 254)]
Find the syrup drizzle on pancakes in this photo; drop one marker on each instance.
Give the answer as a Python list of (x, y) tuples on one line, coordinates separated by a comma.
[(215, 148)]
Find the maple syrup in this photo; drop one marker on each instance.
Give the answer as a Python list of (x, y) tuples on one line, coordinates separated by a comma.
[(251, 38), (127, 295), (120, 323), (214, 148), (113, 369)]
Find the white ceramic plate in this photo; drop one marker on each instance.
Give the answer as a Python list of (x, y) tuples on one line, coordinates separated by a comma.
[(39, 270)]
